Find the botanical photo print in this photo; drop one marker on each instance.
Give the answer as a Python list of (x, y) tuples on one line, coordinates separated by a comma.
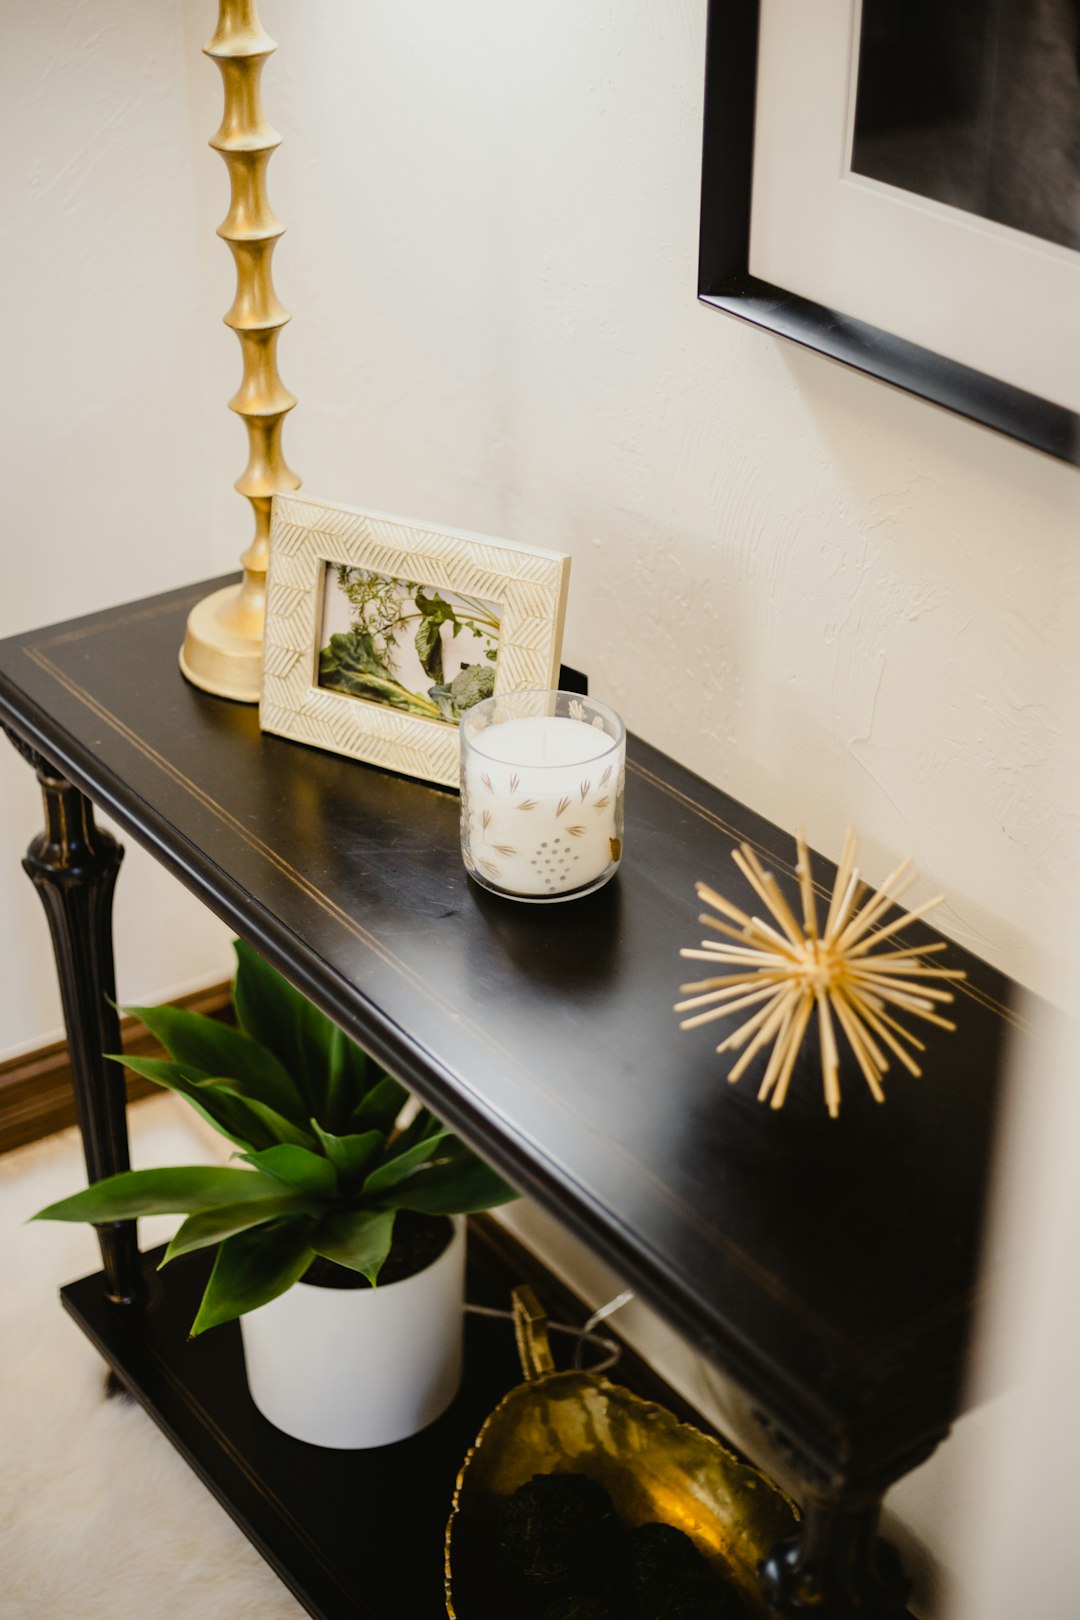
[(417, 648)]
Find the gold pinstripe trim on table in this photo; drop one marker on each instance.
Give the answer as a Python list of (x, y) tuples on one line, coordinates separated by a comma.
[(239, 1461), (715, 1239)]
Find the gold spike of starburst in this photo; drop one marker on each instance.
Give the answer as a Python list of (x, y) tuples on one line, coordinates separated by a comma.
[(785, 971)]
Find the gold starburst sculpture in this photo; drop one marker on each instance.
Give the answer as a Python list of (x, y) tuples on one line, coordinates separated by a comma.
[(787, 971)]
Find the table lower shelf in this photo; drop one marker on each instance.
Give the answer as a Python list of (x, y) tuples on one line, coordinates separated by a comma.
[(355, 1535)]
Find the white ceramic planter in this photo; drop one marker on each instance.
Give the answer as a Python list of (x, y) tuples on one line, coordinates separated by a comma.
[(358, 1367)]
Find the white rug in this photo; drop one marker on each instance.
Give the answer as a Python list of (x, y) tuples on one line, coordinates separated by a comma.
[(100, 1519)]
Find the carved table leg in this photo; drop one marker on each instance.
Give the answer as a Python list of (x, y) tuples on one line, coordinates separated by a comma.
[(836, 1568), (73, 866)]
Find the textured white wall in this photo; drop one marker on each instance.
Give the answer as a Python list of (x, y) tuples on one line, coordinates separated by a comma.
[(835, 601), (829, 597), (1014, 1523), (104, 430)]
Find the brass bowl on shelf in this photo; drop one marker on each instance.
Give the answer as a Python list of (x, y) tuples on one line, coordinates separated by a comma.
[(652, 1466)]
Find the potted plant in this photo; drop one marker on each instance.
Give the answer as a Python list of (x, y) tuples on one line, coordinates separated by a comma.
[(340, 1238)]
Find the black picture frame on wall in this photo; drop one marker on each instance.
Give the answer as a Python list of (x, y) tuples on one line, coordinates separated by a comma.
[(725, 280)]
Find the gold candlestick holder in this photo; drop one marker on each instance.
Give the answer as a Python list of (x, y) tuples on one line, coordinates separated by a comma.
[(222, 651)]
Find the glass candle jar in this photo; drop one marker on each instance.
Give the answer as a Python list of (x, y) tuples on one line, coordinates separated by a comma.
[(542, 782)]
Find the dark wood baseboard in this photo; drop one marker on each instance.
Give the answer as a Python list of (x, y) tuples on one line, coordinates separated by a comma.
[(36, 1098)]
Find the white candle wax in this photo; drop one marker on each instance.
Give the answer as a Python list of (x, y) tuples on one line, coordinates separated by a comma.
[(542, 798)]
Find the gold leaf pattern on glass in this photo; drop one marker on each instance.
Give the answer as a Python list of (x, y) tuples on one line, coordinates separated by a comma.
[(584, 789), (490, 868), (486, 819), (514, 783), (616, 848), (527, 804), (504, 849), (564, 804), (486, 781), (605, 776), (576, 832), (601, 804)]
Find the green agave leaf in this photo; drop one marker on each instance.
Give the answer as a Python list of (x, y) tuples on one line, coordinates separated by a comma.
[(176, 1191), (347, 1079), (350, 1155), (453, 1182), (253, 1268), (357, 1238), (218, 1049), (234, 1116), (391, 1171), (297, 1167), (209, 1226), (381, 1107), (423, 1124), (280, 1128), (282, 1019)]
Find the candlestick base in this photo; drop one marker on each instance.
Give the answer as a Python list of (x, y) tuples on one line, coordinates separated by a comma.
[(222, 651)]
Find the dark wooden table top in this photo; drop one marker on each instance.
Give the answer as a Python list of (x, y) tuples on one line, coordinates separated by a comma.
[(829, 1266)]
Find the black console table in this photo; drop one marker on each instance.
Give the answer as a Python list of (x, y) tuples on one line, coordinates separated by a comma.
[(829, 1268)]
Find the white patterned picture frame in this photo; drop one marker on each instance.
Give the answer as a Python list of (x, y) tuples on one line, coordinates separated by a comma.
[(306, 535)]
